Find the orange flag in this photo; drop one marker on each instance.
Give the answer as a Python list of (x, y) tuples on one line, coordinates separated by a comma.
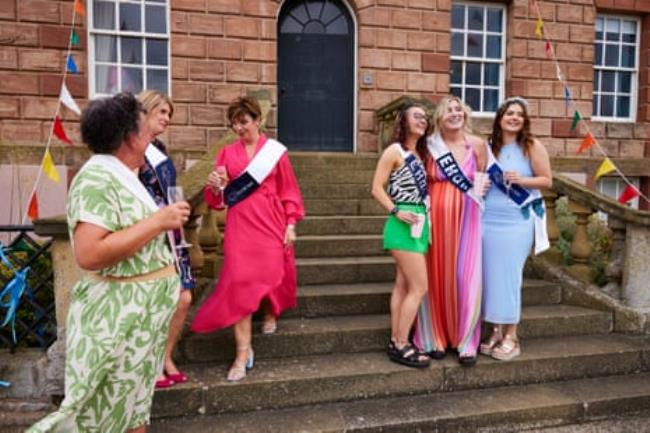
[(79, 8), (32, 211), (586, 143)]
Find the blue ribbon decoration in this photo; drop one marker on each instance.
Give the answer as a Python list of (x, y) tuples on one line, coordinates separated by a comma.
[(538, 207), (5, 384), (14, 291)]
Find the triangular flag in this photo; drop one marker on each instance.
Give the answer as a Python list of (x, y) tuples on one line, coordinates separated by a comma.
[(32, 211), (606, 166), (567, 95), (74, 38), (538, 27), (66, 99), (79, 8), (548, 49), (576, 118), (72, 67), (49, 168), (558, 72), (586, 143), (59, 131), (629, 193)]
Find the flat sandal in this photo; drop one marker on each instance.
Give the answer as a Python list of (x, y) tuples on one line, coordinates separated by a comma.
[(508, 349)]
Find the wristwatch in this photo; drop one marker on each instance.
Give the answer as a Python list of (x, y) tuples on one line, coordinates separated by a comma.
[(394, 210)]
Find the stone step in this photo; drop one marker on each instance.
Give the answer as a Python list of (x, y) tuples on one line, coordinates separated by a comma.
[(328, 190), (363, 333), (329, 160), (341, 225), (345, 270), (365, 207), (307, 175), (283, 383), (340, 245)]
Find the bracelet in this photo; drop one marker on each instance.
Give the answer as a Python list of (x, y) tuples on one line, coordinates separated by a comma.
[(394, 211)]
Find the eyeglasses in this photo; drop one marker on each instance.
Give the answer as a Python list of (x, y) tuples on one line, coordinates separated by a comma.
[(419, 117)]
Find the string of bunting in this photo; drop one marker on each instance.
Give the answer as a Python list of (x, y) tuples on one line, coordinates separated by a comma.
[(47, 163), (607, 166)]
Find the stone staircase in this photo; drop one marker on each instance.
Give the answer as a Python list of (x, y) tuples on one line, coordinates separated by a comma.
[(325, 369)]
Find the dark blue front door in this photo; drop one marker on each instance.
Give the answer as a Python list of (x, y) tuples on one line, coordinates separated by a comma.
[(316, 76)]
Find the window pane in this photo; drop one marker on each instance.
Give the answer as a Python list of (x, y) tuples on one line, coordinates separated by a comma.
[(627, 56), (338, 27), (491, 74), (611, 55), (157, 52), (475, 18), (598, 54), (131, 50), (106, 79), (625, 82), (130, 17), (457, 40), (494, 19), (608, 78), (300, 13), (607, 105), (456, 72), (290, 25), (623, 106), (457, 91), (155, 19), (490, 99), (457, 17), (473, 99), (104, 15), (599, 28), (493, 48), (612, 29), (314, 7), (472, 73), (596, 80), (595, 105), (132, 80), (157, 79), (330, 11), (106, 48), (474, 45), (629, 31), (317, 28)]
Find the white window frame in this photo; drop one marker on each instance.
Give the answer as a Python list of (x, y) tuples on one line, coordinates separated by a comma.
[(634, 85), (92, 32), (483, 59), (619, 186)]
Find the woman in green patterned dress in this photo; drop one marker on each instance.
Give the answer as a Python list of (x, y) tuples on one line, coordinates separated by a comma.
[(119, 312)]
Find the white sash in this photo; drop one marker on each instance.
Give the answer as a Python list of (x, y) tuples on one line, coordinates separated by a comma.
[(155, 156), (265, 160)]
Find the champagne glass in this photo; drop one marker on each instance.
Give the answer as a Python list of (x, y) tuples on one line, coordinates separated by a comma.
[(174, 195), (221, 171)]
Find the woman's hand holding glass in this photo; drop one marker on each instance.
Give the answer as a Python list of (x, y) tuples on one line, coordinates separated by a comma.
[(173, 216)]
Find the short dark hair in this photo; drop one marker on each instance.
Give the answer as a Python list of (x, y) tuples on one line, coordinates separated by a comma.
[(242, 106), (107, 122)]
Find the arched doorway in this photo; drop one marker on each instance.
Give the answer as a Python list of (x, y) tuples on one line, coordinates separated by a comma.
[(316, 40)]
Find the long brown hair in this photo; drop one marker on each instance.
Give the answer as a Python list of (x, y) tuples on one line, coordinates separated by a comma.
[(525, 138), (401, 130)]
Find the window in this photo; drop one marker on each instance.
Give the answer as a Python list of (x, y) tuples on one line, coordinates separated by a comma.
[(614, 186), (478, 54), (616, 52), (128, 46)]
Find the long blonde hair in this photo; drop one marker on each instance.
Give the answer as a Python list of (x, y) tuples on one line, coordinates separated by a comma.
[(151, 98), (441, 109)]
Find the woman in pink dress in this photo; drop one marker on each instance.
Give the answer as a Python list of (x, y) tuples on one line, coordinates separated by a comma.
[(259, 265)]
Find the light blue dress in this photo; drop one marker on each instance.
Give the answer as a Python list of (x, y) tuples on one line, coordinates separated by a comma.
[(507, 241)]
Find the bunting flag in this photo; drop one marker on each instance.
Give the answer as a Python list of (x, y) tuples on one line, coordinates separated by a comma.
[(567, 95), (49, 168), (607, 166), (586, 143), (79, 8), (32, 211), (576, 119), (59, 131), (538, 27), (72, 66), (629, 193), (74, 38), (548, 49), (66, 99), (558, 73)]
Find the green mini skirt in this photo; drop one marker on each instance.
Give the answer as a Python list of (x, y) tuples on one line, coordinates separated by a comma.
[(397, 233)]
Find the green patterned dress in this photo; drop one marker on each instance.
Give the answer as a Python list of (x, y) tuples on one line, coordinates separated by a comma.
[(116, 331)]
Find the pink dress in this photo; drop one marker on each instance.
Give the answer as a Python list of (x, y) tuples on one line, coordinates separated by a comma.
[(256, 263)]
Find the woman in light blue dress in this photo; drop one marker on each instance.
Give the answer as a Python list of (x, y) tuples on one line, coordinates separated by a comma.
[(508, 230)]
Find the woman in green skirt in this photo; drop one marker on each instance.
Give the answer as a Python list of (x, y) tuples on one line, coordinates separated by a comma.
[(406, 233)]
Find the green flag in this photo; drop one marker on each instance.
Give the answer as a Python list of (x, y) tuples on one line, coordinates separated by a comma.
[(74, 38), (576, 119)]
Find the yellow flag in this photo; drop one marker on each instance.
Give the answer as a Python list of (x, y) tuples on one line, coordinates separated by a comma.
[(538, 27), (605, 167), (49, 168)]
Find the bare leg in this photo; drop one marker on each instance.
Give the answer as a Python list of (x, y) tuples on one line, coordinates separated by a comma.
[(414, 270), (243, 350), (175, 327), (270, 321), (396, 299)]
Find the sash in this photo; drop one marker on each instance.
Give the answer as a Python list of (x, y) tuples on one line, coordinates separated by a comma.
[(450, 167), (257, 170), (162, 167), (417, 171), (526, 200)]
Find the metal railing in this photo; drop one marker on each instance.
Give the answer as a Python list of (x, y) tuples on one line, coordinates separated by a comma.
[(35, 321)]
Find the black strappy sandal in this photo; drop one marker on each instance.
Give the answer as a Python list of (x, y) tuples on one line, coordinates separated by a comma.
[(409, 356)]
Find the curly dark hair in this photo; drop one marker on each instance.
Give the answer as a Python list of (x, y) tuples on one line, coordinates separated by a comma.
[(401, 129), (107, 122), (525, 138)]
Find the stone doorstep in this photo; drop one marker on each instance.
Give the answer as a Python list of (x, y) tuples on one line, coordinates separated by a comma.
[(362, 333), (557, 403), (366, 207), (340, 225), (340, 246), (342, 270), (25, 370)]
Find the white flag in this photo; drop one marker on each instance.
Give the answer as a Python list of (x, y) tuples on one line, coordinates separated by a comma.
[(67, 100)]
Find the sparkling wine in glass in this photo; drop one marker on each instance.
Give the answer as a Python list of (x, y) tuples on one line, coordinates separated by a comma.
[(174, 195)]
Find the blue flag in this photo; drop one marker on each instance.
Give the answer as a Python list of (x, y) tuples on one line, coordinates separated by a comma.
[(72, 67)]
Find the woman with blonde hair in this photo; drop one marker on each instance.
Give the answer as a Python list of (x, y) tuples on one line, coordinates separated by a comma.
[(449, 315)]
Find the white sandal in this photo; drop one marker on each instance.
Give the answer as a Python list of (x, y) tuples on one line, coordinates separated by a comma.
[(487, 347), (508, 349), (238, 371)]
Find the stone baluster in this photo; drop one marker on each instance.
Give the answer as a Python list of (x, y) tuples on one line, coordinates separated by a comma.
[(191, 236), (210, 239), (614, 269), (550, 198), (580, 246)]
